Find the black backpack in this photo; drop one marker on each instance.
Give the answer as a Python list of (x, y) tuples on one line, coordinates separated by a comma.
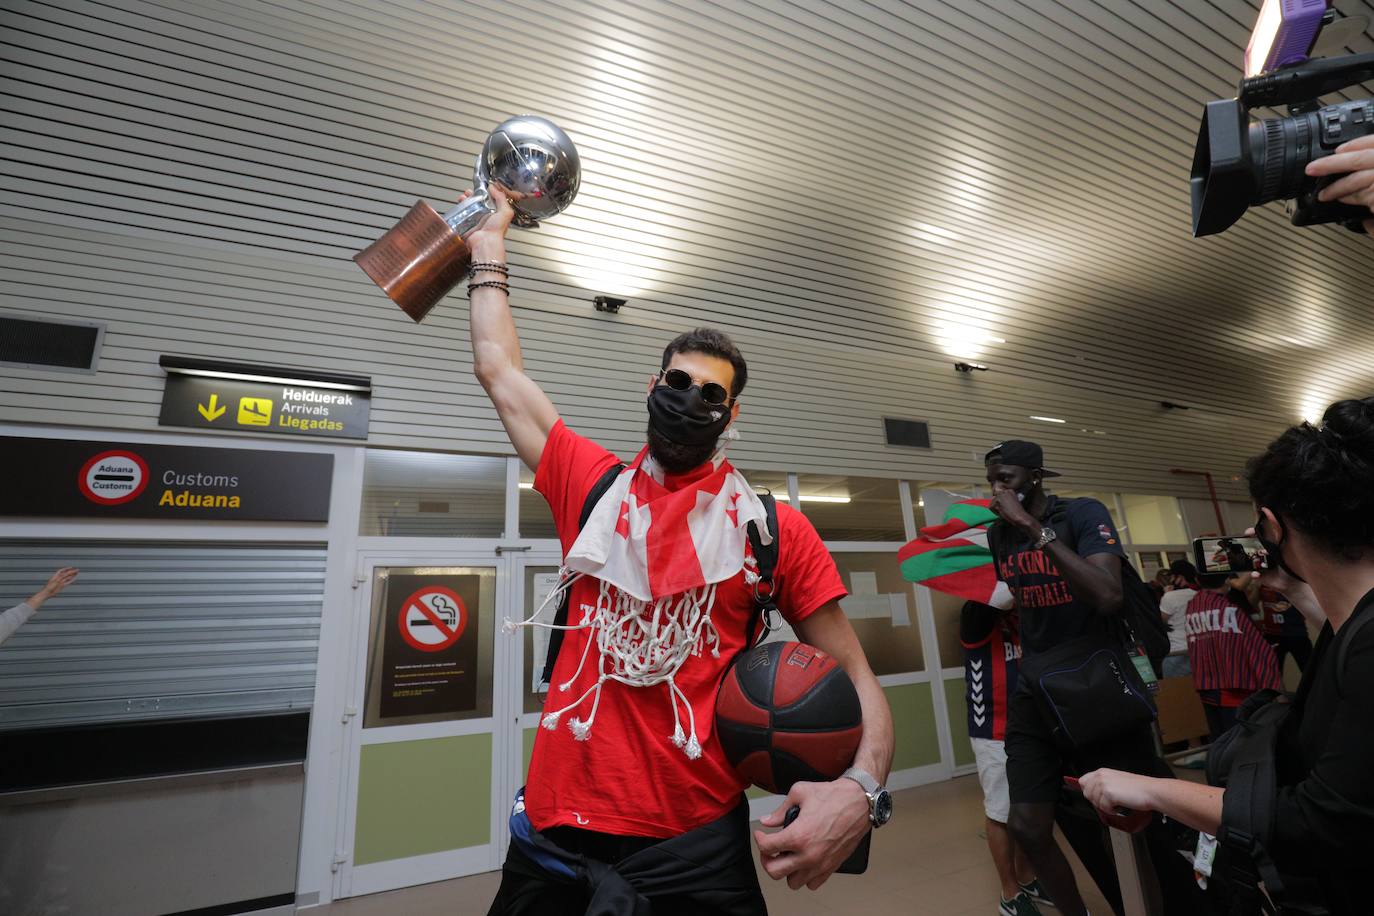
[(1242, 762), (765, 590)]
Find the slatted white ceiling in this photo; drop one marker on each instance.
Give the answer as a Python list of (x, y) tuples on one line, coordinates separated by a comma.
[(862, 193)]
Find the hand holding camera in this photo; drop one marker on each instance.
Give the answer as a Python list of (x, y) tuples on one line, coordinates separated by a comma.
[(1354, 161)]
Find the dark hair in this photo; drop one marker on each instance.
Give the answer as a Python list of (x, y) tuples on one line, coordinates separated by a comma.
[(712, 343), (1318, 479), (1185, 569)]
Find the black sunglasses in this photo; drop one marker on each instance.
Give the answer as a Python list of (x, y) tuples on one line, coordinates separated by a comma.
[(678, 380)]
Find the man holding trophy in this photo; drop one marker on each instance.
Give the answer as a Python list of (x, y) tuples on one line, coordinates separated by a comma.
[(631, 806)]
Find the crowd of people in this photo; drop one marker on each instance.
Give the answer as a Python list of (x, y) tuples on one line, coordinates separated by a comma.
[(658, 564), (1079, 608)]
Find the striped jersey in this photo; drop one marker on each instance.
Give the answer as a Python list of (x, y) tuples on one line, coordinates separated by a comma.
[(992, 656), (1226, 648)]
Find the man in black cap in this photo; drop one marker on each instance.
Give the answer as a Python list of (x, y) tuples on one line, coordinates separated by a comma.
[(1063, 561)]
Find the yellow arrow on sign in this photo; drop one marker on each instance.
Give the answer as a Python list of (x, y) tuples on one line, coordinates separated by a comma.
[(213, 412)]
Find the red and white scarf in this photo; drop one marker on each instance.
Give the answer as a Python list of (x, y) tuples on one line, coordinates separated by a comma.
[(659, 554), (651, 542)]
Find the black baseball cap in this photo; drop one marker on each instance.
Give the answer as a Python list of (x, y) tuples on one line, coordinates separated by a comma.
[(1019, 453)]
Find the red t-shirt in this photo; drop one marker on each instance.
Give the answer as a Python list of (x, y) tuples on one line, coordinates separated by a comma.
[(628, 778)]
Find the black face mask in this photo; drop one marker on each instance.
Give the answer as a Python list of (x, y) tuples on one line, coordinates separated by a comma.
[(678, 416), (1274, 549), (684, 417)]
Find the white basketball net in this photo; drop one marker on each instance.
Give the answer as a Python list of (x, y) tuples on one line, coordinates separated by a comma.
[(639, 644)]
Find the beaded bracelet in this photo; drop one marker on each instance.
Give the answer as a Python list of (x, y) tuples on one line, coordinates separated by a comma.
[(494, 267), (489, 284)]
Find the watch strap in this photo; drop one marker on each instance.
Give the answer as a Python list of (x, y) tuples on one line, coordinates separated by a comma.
[(865, 779)]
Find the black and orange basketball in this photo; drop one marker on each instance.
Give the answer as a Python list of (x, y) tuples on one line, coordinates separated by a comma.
[(786, 713)]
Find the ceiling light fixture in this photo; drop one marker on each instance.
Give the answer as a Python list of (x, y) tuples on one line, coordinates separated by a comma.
[(1048, 419), (608, 304), (806, 498), (970, 367)]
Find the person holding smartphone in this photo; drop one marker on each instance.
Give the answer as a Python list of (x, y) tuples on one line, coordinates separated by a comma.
[(1316, 525)]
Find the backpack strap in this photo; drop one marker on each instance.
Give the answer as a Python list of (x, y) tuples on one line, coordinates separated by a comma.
[(766, 588), (560, 616), (1247, 812)]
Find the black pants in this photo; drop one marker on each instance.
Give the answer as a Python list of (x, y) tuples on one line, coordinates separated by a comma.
[(1036, 767), (707, 872)]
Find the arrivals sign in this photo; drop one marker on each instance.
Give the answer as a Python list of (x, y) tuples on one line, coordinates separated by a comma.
[(429, 645), (77, 479), (289, 408)]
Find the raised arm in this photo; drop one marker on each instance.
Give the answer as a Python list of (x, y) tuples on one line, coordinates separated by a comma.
[(524, 409)]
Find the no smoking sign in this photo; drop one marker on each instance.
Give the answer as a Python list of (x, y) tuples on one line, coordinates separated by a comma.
[(432, 619)]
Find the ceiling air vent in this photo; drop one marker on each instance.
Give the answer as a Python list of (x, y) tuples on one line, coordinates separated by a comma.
[(911, 433), (40, 343)]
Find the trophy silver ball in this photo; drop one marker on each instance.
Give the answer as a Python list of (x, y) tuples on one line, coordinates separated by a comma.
[(420, 259)]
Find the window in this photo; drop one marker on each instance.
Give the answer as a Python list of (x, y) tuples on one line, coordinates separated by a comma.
[(1154, 520), (881, 608), (536, 521), (428, 494), (774, 482), (851, 508)]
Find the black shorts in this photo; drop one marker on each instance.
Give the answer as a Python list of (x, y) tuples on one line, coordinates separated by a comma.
[(1037, 762)]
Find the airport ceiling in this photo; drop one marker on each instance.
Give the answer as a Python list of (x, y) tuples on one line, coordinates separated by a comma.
[(997, 181)]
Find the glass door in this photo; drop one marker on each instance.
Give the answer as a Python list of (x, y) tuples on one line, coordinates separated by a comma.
[(427, 761)]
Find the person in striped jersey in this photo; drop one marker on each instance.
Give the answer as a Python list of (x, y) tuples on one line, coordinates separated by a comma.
[(1228, 654)]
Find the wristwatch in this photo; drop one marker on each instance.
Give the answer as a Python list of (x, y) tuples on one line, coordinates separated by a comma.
[(1046, 535), (879, 799)]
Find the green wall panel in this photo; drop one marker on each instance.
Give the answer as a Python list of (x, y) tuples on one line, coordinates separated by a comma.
[(529, 747), (913, 718), (958, 721), (420, 797)]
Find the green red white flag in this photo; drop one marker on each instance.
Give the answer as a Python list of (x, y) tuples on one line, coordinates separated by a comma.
[(953, 556)]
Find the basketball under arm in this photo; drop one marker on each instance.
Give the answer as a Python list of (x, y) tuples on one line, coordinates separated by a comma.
[(828, 629)]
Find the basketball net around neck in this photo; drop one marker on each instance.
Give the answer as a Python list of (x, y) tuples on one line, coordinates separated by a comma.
[(633, 546)]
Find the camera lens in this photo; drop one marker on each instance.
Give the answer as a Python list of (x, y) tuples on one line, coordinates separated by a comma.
[(1280, 149)]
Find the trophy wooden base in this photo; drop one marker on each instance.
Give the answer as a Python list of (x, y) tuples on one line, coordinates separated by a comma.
[(417, 261)]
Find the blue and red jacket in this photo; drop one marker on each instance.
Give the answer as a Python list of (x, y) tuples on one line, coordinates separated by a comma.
[(992, 658)]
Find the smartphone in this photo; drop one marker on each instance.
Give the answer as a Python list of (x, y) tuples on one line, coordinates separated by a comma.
[(856, 864), (1217, 558)]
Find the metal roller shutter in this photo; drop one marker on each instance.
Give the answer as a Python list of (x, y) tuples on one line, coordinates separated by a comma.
[(160, 630)]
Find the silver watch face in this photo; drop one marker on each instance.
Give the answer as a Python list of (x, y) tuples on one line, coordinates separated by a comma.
[(882, 807)]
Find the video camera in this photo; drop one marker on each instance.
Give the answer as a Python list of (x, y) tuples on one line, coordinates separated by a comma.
[(1240, 163)]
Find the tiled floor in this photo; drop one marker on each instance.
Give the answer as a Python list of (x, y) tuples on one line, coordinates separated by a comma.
[(932, 860)]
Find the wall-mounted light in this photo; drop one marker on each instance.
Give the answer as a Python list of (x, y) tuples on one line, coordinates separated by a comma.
[(970, 367), (272, 375), (608, 304)]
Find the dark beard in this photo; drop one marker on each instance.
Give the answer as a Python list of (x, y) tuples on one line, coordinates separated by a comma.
[(675, 457)]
